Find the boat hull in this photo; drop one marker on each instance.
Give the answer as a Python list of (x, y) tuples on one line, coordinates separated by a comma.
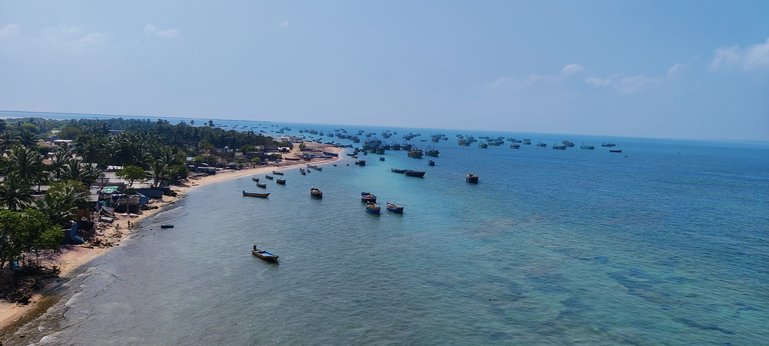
[(255, 194)]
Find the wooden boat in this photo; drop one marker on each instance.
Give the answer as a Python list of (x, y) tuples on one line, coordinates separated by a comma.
[(373, 208), (277, 172), (317, 168), (254, 194), (559, 147), (398, 209), (586, 147), (166, 226), (315, 192), (399, 171), (417, 174), (262, 185), (281, 181), (268, 177), (360, 163), (415, 153), (431, 163), (607, 145), (381, 158), (432, 152), (264, 255), (302, 171), (367, 197), (255, 179), (515, 146), (615, 150), (471, 178)]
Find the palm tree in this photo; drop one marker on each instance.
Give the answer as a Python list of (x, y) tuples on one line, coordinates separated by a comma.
[(15, 194), (62, 200), (76, 169), (60, 158), (25, 164), (158, 171)]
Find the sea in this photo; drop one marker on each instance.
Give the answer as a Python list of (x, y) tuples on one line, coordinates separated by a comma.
[(666, 243)]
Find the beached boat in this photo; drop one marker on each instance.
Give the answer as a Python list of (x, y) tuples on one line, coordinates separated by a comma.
[(418, 174), (262, 185), (328, 153), (317, 168), (255, 179), (281, 181), (367, 197), (316, 193), (264, 255), (471, 178), (615, 150), (255, 194), (277, 172), (268, 177), (166, 226), (398, 209), (431, 163), (399, 171), (373, 208)]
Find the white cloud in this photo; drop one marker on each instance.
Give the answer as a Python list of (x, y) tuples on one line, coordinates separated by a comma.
[(516, 84), (624, 84), (753, 57), (10, 30), (572, 69), (284, 24), (674, 70), (152, 30), (71, 39), (94, 38)]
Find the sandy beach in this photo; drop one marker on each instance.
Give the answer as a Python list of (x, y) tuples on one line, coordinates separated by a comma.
[(73, 258)]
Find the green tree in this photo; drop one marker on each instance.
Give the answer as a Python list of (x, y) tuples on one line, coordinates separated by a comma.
[(76, 169), (26, 165), (15, 194), (26, 231), (132, 173), (62, 200)]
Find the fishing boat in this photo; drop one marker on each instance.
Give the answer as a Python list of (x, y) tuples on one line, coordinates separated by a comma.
[(398, 209), (277, 172), (483, 145), (262, 185), (166, 226), (431, 163), (255, 194), (255, 179), (418, 174), (471, 178), (586, 147), (302, 171), (381, 158), (432, 152), (367, 197), (316, 193), (415, 153), (615, 150), (515, 146), (559, 147), (264, 255), (360, 163), (269, 177), (399, 171), (372, 208), (541, 145), (607, 145), (317, 168), (281, 181)]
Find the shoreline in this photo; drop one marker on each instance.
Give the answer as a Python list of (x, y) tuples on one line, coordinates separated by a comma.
[(74, 258)]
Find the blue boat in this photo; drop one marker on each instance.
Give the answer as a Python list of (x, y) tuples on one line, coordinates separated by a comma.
[(373, 208), (264, 255)]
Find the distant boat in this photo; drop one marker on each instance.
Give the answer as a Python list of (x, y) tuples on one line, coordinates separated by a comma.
[(315, 192), (586, 147), (277, 173), (399, 171), (398, 209), (254, 194), (418, 174), (281, 181), (567, 143), (615, 150), (317, 168), (515, 146), (559, 147), (166, 226), (255, 179), (415, 153), (483, 145), (432, 152), (381, 158), (268, 177), (373, 208), (431, 163), (264, 186), (541, 145), (608, 145), (264, 254), (302, 171), (471, 178), (328, 153), (360, 163), (367, 197)]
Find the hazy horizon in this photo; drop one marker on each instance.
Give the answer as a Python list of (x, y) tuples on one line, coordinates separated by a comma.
[(684, 70)]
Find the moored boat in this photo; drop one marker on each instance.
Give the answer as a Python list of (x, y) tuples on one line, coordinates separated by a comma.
[(615, 150), (587, 147), (367, 197), (398, 209), (317, 168), (415, 153), (268, 177), (418, 174), (471, 178), (515, 146), (302, 171), (373, 208), (315, 192), (255, 194), (608, 145), (381, 158), (255, 179), (559, 147), (431, 163), (399, 171), (277, 172), (262, 185), (281, 181), (166, 226), (360, 163), (432, 152), (264, 255)]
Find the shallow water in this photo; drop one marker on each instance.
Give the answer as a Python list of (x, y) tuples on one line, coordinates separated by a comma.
[(666, 243)]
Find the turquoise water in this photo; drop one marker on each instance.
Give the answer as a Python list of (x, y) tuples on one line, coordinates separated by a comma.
[(666, 243)]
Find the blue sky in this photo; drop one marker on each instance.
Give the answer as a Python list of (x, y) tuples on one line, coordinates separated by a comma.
[(674, 69)]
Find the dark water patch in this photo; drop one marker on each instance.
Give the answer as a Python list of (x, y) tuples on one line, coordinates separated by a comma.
[(549, 282), (705, 327)]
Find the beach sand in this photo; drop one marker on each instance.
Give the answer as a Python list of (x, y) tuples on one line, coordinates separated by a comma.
[(75, 257)]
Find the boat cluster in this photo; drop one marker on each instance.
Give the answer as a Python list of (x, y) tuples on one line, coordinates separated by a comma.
[(372, 207)]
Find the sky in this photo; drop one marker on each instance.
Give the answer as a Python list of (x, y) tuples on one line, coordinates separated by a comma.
[(662, 69)]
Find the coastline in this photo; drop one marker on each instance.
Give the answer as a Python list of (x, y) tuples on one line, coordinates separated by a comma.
[(72, 258)]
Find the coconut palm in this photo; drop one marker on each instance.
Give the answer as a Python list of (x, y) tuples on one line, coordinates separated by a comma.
[(15, 194), (25, 164), (76, 169), (61, 202)]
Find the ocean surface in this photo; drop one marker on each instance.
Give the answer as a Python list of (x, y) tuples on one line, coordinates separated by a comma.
[(664, 243)]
